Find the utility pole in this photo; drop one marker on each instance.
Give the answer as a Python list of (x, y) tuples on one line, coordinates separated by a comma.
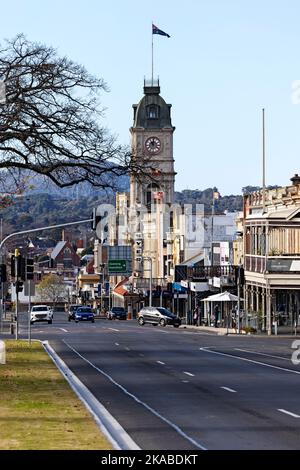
[(29, 310), (239, 299), (263, 163), (148, 258), (17, 254)]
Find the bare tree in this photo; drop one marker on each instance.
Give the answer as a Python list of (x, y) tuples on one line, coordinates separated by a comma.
[(50, 119), (52, 289)]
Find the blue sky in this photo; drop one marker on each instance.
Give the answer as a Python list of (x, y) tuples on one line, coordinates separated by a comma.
[(224, 62)]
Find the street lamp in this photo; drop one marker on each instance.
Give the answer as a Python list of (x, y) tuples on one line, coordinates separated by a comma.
[(215, 196)]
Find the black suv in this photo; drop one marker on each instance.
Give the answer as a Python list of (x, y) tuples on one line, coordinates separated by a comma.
[(72, 310), (158, 316)]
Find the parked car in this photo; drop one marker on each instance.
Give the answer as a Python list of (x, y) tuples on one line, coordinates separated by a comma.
[(158, 316), (41, 313), (72, 310), (83, 313), (117, 313)]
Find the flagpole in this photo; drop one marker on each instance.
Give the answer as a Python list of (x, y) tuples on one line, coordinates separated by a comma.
[(152, 53), (263, 163)]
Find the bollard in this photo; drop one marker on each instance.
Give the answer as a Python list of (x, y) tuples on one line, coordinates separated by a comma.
[(2, 353), (12, 328)]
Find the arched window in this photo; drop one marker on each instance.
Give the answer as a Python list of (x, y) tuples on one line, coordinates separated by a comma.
[(152, 111)]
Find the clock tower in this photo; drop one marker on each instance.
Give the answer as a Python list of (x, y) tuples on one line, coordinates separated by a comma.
[(152, 189), (152, 142)]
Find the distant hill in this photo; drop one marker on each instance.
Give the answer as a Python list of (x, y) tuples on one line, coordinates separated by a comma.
[(231, 203)]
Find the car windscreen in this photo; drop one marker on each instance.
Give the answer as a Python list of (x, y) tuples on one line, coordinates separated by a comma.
[(118, 309), (84, 310), (165, 312), (40, 309)]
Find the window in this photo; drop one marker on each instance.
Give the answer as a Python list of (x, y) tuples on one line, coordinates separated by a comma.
[(153, 111)]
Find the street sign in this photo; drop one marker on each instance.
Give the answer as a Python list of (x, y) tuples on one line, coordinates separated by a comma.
[(107, 288), (99, 289), (117, 266)]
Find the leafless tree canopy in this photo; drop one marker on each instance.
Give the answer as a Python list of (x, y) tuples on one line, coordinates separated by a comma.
[(50, 122)]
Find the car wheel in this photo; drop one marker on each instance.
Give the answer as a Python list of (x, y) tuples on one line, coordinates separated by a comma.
[(49, 322), (162, 322), (93, 321), (141, 321), (76, 321), (69, 319), (176, 326), (31, 323)]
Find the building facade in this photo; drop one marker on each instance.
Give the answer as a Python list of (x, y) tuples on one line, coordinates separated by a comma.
[(272, 257)]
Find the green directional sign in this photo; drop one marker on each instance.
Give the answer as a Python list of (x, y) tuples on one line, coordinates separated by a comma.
[(117, 266)]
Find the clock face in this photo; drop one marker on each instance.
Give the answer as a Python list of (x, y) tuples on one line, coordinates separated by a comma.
[(153, 145)]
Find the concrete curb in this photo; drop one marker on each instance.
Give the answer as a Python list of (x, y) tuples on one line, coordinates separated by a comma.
[(115, 433)]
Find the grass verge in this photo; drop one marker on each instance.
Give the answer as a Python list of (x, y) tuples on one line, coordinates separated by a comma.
[(38, 409)]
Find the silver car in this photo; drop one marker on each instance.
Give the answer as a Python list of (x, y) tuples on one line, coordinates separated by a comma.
[(158, 316)]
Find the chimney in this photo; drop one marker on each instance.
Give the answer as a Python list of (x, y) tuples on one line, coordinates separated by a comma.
[(65, 236), (295, 179)]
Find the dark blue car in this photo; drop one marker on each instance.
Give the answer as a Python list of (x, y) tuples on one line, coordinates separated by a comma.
[(117, 313), (84, 314)]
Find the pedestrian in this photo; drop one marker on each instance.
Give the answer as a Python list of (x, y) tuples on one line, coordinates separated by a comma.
[(195, 317), (216, 312)]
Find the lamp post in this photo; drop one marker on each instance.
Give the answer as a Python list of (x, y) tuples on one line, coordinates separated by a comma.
[(148, 258)]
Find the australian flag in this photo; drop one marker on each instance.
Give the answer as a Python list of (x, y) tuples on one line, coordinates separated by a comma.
[(155, 30)]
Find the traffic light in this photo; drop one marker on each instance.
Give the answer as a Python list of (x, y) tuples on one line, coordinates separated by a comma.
[(95, 219), (20, 265), (29, 269), (19, 286), (3, 277)]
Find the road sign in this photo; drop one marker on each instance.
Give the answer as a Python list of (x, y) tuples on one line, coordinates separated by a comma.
[(117, 266), (107, 288), (99, 289)]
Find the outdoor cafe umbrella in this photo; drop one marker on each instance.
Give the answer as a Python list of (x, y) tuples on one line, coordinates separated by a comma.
[(219, 298), (222, 297)]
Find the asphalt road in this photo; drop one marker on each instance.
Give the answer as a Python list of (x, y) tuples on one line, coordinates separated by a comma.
[(177, 389)]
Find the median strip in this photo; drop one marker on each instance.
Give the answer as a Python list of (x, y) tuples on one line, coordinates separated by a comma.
[(38, 409)]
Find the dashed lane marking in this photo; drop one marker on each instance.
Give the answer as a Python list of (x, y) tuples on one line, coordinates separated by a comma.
[(288, 413), (229, 389)]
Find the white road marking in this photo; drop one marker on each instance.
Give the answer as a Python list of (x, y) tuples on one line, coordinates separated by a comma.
[(185, 381), (288, 413), (142, 355), (263, 354), (113, 329), (160, 362), (188, 373), (229, 389), (62, 329), (117, 344), (138, 400), (264, 364), (127, 349)]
